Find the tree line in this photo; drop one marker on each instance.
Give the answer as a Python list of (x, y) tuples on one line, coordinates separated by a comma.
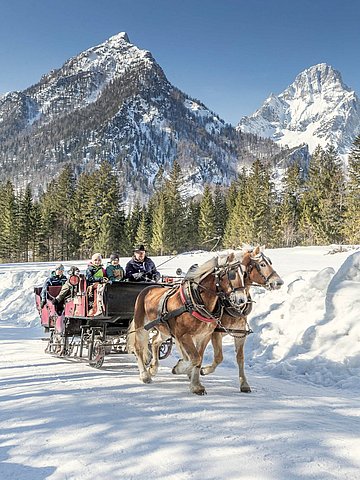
[(79, 215)]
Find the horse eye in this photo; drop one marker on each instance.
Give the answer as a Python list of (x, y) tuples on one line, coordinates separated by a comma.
[(263, 265)]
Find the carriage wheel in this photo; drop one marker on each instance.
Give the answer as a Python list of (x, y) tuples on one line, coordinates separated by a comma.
[(165, 349), (97, 355)]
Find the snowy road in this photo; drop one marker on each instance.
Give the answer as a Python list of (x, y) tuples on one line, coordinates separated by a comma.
[(64, 420)]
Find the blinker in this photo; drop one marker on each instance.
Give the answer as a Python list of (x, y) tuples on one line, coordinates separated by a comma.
[(232, 275)]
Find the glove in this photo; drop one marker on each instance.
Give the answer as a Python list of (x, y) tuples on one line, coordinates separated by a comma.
[(42, 303), (156, 276), (138, 275)]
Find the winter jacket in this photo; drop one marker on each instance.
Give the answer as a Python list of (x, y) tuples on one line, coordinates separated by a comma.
[(95, 273), (52, 281), (147, 268), (115, 273)]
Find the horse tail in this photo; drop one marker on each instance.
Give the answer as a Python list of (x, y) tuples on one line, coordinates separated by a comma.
[(137, 337)]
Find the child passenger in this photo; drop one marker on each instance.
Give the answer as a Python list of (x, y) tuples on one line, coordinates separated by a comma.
[(95, 271), (114, 271)]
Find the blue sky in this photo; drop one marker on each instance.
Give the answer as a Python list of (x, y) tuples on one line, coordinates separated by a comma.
[(230, 54)]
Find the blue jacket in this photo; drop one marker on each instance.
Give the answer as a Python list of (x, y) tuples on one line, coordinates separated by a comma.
[(147, 268), (52, 281)]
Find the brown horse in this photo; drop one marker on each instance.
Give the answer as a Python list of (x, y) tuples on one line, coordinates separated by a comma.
[(258, 271), (189, 313)]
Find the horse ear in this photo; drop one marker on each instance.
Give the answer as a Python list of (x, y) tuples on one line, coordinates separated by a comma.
[(230, 258), (256, 250)]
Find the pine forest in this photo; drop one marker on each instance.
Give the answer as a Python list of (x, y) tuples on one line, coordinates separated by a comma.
[(78, 216)]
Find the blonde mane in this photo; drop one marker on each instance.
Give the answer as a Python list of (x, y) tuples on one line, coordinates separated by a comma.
[(196, 272)]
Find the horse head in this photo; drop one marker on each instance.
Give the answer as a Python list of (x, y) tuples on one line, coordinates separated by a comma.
[(230, 281), (259, 270), (222, 277)]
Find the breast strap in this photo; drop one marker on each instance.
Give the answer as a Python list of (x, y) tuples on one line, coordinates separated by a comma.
[(196, 309)]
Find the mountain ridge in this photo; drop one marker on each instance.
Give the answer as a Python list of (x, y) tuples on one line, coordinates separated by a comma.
[(113, 102), (317, 108)]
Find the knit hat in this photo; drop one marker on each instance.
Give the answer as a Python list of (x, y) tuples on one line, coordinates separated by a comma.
[(96, 256), (74, 270), (60, 267), (114, 256)]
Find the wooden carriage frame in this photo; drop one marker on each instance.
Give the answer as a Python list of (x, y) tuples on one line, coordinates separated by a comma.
[(77, 332)]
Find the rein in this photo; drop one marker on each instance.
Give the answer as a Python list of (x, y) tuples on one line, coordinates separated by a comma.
[(193, 303), (233, 331)]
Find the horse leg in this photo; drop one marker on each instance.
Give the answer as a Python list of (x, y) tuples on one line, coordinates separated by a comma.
[(183, 366), (239, 349), (216, 341), (156, 341), (137, 342), (195, 358)]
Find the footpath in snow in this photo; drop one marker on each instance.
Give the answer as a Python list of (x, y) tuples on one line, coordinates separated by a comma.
[(64, 420)]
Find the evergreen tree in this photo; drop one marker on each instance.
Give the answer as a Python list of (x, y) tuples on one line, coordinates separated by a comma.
[(251, 219), (64, 199), (174, 208), (84, 205), (323, 200), (236, 209), (351, 227), (26, 227), (8, 224), (143, 231), (207, 227), (191, 232), (220, 211), (132, 224), (288, 211), (158, 239)]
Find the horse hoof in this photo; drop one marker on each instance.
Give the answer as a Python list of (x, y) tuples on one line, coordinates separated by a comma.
[(202, 371), (146, 378), (198, 391), (245, 389), (173, 371)]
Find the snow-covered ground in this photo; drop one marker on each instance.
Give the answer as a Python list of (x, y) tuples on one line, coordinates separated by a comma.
[(64, 420)]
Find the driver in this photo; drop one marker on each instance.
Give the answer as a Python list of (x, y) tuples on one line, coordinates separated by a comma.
[(141, 268)]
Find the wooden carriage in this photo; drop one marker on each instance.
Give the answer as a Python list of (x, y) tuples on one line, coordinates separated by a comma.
[(93, 320)]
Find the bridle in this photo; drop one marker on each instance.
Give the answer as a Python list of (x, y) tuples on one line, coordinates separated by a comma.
[(230, 271), (255, 263)]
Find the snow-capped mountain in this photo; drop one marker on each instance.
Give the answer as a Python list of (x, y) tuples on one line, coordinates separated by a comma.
[(113, 102), (317, 108)]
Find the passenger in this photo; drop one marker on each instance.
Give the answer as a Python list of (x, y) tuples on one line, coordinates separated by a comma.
[(95, 271), (67, 288), (141, 268), (56, 279), (114, 271)]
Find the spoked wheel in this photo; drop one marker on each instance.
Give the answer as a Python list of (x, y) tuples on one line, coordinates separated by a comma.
[(165, 349), (97, 355)]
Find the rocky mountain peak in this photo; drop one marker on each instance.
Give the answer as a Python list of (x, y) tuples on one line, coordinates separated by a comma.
[(113, 102), (317, 108)]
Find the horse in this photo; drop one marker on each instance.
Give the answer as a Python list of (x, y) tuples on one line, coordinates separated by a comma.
[(258, 271), (189, 312)]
